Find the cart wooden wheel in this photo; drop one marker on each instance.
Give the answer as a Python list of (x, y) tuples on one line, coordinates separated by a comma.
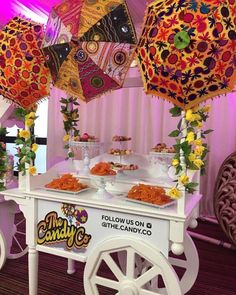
[(18, 247), (188, 267), (2, 250), (127, 282)]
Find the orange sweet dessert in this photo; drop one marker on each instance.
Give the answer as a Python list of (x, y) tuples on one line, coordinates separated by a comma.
[(102, 169), (66, 182), (150, 194)]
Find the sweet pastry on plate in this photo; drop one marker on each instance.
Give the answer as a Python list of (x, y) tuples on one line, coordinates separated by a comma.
[(120, 138), (88, 138), (119, 166), (66, 182), (162, 148), (102, 169), (120, 152), (149, 193)]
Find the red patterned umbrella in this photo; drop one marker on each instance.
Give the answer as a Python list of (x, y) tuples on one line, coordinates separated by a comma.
[(24, 77), (89, 46), (187, 51)]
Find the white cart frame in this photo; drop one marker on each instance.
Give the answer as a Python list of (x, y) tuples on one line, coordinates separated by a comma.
[(141, 259)]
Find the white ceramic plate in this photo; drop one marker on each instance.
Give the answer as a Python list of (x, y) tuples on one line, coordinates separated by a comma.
[(65, 191), (150, 204)]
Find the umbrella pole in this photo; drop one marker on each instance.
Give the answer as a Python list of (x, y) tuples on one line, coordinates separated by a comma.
[(27, 175), (181, 202)]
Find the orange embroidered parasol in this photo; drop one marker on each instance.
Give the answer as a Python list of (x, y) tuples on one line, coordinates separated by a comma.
[(89, 46), (187, 51), (24, 77)]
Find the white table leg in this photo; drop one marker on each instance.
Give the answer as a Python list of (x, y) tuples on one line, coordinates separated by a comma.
[(33, 270), (70, 266)]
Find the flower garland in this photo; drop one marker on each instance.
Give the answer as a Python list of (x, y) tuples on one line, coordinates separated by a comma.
[(3, 160), (190, 149), (70, 121), (25, 141)]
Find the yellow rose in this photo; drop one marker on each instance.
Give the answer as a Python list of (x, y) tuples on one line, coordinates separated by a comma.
[(192, 157), (197, 117), (189, 116), (184, 179), (34, 147), (175, 162), (29, 122), (174, 193), (24, 133), (32, 170), (199, 125), (198, 142), (206, 109), (31, 115), (199, 150), (198, 163), (190, 137), (66, 137)]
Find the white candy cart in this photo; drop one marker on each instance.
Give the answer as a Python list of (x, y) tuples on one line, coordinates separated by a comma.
[(138, 244)]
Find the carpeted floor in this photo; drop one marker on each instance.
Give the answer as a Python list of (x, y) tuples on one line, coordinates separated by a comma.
[(217, 273)]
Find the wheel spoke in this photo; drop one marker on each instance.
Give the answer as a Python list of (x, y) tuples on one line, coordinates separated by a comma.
[(106, 282), (148, 276), (130, 263), (113, 266), (20, 233), (19, 245), (21, 221), (139, 264), (178, 262)]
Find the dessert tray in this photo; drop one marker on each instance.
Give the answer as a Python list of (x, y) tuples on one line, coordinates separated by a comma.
[(66, 183), (120, 138), (150, 195), (67, 191), (87, 138), (172, 202), (120, 152), (123, 167), (161, 148)]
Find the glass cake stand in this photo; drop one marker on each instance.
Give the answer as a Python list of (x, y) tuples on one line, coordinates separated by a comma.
[(101, 181), (86, 147), (162, 160)]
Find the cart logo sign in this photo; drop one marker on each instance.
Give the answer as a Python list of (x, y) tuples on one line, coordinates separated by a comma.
[(54, 229)]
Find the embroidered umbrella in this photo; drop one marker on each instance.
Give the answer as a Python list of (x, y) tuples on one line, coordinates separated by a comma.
[(89, 46), (24, 77), (187, 51)]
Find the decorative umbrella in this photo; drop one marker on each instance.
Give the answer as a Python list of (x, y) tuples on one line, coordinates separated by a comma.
[(89, 46), (24, 77), (187, 51)]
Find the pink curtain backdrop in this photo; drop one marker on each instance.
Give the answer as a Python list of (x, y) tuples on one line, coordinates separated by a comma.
[(146, 119)]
